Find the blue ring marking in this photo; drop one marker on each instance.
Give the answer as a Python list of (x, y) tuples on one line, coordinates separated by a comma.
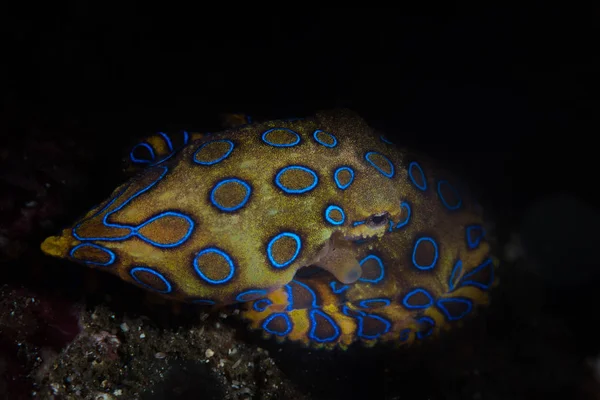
[(474, 244), (416, 165), (404, 335), (167, 139), (290, 294), (356, 223), (337, 180), (162, 160), (360, 315), (373, 257), (361, 319), (159, 216), (258, 292), (276, 238), (428, 320), (271, 317), (204, 302), (368, 303), (218, 160), (297, 191), (391, 223), (313, 327), (352, 313), (435, 258), (186, 137), (386, 174), (315, 135), (406, 220), (296, 141), (484, 286), (236, 207), (441, 306), (152, 161), (384, 140), (456, 271), (338, 290), (261, 304), (133, 230), (305, 286), (405, 300), (331, 208), (112, 255), (136, 160), (74, 230), (133, 271), (222, 254), (448, 206)]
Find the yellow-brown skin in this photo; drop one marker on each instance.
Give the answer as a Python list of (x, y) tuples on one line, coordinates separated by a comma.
[(400, 278), (181, 186)]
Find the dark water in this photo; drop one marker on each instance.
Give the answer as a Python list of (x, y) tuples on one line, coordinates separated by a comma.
[(502, 94)]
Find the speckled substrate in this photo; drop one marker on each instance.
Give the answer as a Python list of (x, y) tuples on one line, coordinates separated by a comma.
[(131, 359)]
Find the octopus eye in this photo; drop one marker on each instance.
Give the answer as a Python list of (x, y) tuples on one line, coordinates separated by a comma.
[(377, 220)]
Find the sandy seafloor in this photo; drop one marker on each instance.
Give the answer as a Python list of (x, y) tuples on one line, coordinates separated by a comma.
[(67, 332)]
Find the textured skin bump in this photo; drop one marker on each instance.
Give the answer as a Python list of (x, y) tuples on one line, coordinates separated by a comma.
[(233, 216)]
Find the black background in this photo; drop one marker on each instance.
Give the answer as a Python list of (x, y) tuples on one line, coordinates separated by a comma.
[(503, 94)]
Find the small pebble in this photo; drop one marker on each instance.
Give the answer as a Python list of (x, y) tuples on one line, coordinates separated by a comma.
[(54, 387), (143, 335), (160, 355), (209, 353), (124, 327)]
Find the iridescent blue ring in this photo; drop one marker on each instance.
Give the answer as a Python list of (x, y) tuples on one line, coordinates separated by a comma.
[(237, 206), (218, 160), (225, 257), (318, 131), (295, 142), (297, 191), (168, 285), (292, 258)]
